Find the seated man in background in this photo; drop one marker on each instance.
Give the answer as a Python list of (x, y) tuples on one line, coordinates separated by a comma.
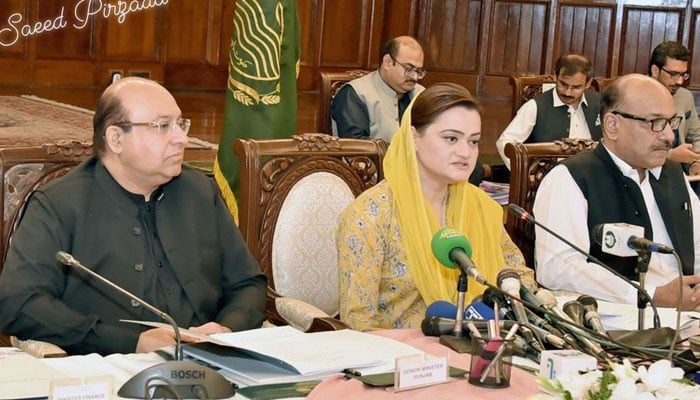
[(669, 65), (371, 107), (571, 110), (133, 214), (629, 179)]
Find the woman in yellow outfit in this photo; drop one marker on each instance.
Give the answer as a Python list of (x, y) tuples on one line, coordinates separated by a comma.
[(387, 272)]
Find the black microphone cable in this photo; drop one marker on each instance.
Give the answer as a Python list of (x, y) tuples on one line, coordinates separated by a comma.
[(526, 216)]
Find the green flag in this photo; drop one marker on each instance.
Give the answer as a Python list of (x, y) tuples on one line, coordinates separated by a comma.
[(261, 95)]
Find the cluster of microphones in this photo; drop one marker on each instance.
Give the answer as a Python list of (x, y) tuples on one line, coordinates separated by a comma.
[(541, 323), (549, 328)]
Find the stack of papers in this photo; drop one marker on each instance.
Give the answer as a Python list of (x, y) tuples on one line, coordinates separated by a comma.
[(284, 354), (497, 191), (24, 376)]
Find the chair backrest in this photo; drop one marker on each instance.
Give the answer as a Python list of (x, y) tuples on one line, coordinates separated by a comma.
[(330, 83), (525, 87), (24, 169), (529, 164), (292, 192)]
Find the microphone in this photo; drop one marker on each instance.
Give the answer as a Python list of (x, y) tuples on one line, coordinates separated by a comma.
[(445, 309), (549, 303), (438, 326), (574, 309), (548, 337), (591, 318), (509, 282), (453, 249), (529, 298), (625, 240), (478, 310), (526, 216), (171, 379)]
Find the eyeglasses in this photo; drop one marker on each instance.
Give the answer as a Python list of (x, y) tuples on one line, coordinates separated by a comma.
[(676, 75), (657, 124), (162, 125), (565, 86), (409, 69)]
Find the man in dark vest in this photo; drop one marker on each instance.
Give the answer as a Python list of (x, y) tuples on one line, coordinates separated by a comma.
[(626, 179), (571, 110)]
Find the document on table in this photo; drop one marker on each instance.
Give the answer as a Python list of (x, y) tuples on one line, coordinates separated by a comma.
[(283, 353), (24, 376)]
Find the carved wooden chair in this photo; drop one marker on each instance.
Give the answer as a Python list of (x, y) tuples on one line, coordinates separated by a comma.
[(292, 192), (525, 87), (529, 164), (330, 83)]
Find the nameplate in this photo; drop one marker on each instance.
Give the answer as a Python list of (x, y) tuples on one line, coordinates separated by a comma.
[(419, 371), (94, 388)]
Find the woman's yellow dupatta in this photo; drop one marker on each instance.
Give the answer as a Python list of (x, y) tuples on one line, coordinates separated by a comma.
[(469, 210)]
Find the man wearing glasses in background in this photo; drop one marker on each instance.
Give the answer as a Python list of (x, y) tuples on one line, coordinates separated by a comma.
[(669, 65), (570, 110), (135, 215), (626, 179), (371, 107)]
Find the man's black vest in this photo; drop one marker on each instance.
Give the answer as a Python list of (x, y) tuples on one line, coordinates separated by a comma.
[(613, 197), (553, 122)]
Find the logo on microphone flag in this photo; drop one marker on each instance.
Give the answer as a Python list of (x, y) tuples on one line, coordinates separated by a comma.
[(261, 95), (609, 239)]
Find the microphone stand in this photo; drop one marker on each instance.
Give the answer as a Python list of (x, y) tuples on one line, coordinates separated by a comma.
[(643, 258), (525, 216), (172, 379), (457, 341)]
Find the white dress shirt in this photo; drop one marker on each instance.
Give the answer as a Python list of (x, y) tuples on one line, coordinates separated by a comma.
[(561, 206), (522, 125)]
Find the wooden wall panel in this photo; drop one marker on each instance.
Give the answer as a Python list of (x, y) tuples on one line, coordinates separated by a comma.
[(345, 33), (405, 15), (194, 43), (694, 46), (310, 21), (642, 29), (450, 32), (137, 38), (12, 14), (518, 38), (587, 29), (65, 43)]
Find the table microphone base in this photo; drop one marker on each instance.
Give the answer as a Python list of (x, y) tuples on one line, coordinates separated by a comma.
[(459, 344), (177, 380)]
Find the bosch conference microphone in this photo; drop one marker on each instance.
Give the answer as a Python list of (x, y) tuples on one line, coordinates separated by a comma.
[(177, 379)]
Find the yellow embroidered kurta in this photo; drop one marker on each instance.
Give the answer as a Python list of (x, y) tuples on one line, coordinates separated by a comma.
[(376, 288)]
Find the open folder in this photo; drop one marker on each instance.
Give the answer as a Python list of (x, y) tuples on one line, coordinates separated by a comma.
[(284, 354)]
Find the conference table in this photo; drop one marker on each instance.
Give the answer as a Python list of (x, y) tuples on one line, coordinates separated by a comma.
[(522, 383), (120, 367)]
